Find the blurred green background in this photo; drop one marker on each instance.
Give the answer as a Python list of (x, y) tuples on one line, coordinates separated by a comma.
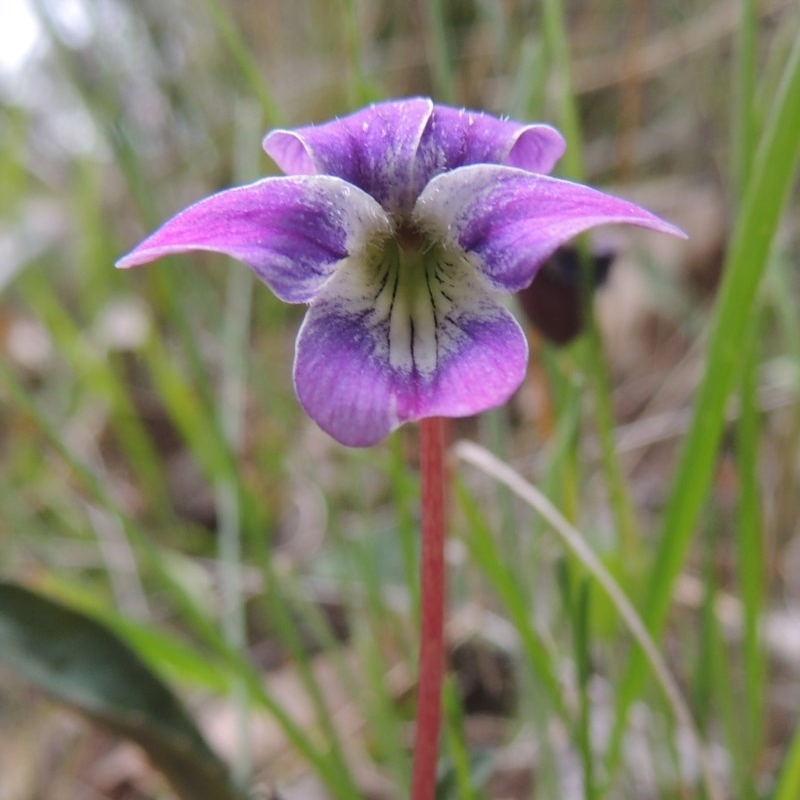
[(157, 473)]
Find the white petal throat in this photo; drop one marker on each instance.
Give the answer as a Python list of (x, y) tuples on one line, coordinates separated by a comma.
[(411, 300)]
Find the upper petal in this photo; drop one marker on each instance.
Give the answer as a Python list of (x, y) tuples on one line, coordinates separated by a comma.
[(392, 150), (459, 137), (291, 231), (509, 221), (369, 359), (373, 149)]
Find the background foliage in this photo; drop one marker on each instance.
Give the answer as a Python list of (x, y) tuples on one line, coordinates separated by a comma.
[(158, 479)]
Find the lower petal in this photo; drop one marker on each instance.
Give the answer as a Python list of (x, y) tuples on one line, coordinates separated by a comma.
[(351, 380)]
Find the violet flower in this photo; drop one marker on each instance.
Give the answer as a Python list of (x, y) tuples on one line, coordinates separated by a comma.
[(399, 226)]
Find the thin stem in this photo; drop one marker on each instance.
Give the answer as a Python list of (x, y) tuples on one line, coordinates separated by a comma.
[(431, 655)]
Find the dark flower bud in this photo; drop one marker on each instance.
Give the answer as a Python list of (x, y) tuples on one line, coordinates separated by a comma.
[(553, 303)]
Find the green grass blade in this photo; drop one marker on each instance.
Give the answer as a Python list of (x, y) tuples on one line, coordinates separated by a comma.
[(456, 745), (438, 47), (285, 615), (485, 552), (237, 47), (773, 173), (557, 49), (744, 118), (789, 782), (581, 627), (575, 543), (41, 294), (750, 546), (231, 414), (591, 349)]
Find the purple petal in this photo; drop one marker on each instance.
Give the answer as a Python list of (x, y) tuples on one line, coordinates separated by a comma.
[(392, 150), (459, 137), (363, 368), (291, 231), (373, 149), (510, 221)]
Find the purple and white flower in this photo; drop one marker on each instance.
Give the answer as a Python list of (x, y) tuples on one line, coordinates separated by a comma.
[(399, 226)]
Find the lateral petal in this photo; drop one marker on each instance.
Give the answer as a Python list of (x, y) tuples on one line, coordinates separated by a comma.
[(509, 221), (291, 231)]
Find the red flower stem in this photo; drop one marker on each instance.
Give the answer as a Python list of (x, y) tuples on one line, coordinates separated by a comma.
[(431, 654)]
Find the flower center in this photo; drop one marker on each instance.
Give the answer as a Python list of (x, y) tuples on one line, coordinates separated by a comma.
[(417, 283), (410, 237)]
